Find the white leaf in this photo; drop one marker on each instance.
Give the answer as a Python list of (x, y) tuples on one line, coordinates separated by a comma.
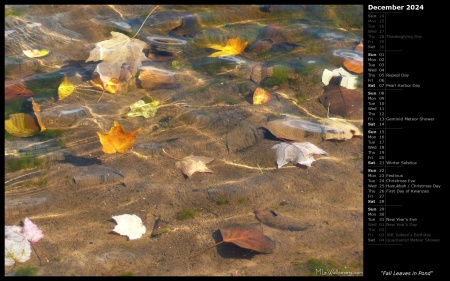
[(120, 49), (17, 246), (296, 152), (129, 225)]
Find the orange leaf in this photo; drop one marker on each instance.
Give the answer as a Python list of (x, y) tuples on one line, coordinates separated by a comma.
[(112, 86), (233, 47), (354, 66), (249, 237), (117, 140), (261, 96)]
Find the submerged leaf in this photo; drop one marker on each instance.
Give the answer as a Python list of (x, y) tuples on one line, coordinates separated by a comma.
[(191, 164), (21, 125), (129, 225), (36, 53), (65, 89), (117, 140), (340, 100), (17, 247), (297, 152), (248, 237), (140, 108), (233, 47), (261, 96), (31, 231), (119, 49)]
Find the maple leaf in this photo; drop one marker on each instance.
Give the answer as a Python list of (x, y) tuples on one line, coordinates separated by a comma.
[(296, 152), (117, 140), (233, 47), (191, 164), (18, 241), (17, 247), (129, 225), (118, 50)]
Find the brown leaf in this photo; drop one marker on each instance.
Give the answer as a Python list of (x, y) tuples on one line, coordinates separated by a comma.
[(191, 164), (117, 140), (16, 90), (248, 237), (340, 100)]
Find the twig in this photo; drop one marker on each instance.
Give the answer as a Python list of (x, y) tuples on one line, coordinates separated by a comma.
[(144, 21), (101, 95)]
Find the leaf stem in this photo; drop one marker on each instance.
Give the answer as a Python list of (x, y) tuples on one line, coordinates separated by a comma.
[(42, 252), (205, 249)]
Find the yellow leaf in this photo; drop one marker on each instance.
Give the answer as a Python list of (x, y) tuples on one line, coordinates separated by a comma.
[(36, 53), (117, 140), (233, 47), (112, 86), (21, 125), (261, 96), (65, 89)]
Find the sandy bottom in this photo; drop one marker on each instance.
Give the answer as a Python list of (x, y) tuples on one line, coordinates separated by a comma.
[(77, 217)]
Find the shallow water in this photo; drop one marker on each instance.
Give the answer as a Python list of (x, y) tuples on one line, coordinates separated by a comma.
[(205, 109)]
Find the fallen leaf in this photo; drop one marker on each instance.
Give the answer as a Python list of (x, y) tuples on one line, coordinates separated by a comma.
[(65, 89), (261, 96), (355, 65), (248, 237), (340, 100), (31, 231), (297, 152), (18, 241), (36, 53), (234, 46), (37, 113), (117, 140), (115, 52), (191, 164), (21, 125), (129, 225), (16, 90), (140, 108), (111, 86), (275, 220), (17, 247)]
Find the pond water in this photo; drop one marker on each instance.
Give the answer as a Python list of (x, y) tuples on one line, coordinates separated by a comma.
[(167, 113)]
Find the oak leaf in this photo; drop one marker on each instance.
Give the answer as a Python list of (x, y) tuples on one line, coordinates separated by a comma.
[(117, 140), (191, 164), (296, 152), (234, 46)]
